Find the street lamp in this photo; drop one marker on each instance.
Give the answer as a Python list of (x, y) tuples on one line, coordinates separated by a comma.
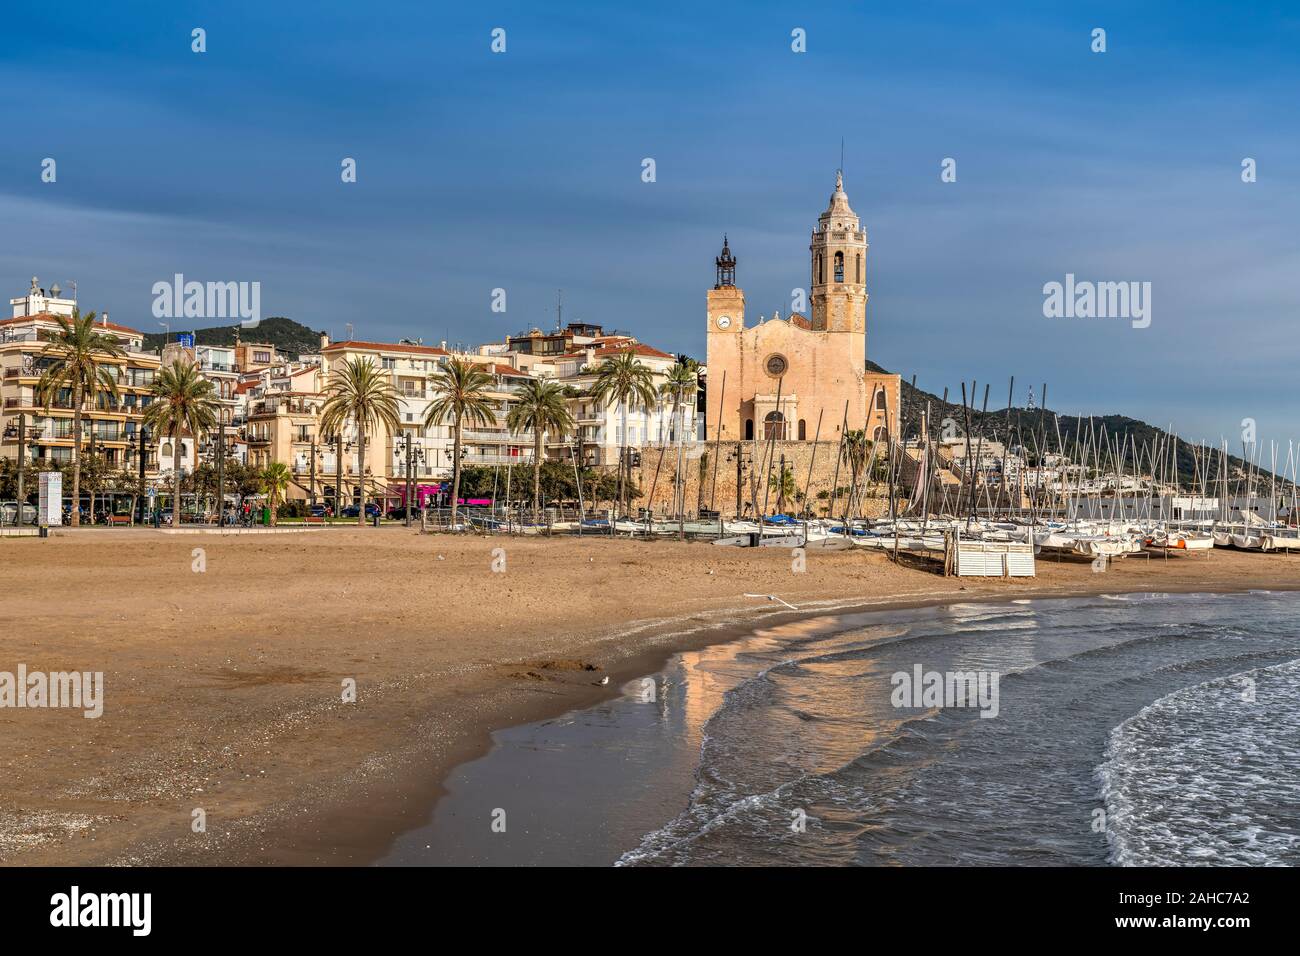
[(405, 443)]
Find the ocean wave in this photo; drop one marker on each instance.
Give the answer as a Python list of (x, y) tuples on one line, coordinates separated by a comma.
[(1207, 775)]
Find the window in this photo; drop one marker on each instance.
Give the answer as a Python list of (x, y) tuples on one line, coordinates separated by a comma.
[(776, 365), (388, 363), (880, 399), (821, 271), (262, 358), (839, 267), (803, 430), (859, 268), (749, 429)]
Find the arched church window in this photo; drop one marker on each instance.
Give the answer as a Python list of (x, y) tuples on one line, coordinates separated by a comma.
[(880, 399), (821, 269), (774, 426), (803, 430), (859, 268), (839, 267), (881, 434), (749, 429)]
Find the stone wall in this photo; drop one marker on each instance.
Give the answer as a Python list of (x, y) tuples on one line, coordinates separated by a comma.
[(657, 475)]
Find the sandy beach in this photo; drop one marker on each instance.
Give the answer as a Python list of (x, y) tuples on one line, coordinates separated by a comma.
[(225, 676)]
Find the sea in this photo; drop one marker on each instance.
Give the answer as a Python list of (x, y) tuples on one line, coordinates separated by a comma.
[(1116, 730)]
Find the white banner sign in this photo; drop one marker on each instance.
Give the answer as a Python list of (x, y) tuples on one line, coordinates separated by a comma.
[(50, 506)]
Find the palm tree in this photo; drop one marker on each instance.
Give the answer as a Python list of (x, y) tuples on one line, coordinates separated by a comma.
[(78, 352), (276, 479), (783, 483), (540, 405), (182, 401), (854, 453), (623, 379), (362, 392), (679, 387), (461, 388)]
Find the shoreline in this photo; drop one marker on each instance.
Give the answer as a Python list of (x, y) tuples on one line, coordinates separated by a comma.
[(350, 792), (373, 846)]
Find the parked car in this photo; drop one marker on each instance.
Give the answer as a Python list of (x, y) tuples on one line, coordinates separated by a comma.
[(352, 511), (320, 511), (9, 509), (399, 514)]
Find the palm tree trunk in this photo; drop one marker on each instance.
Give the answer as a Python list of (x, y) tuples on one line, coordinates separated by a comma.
[(619, 509), (537, 472), (76, 457), (361, 470), (681, 448), (176, 478), (455, 471)]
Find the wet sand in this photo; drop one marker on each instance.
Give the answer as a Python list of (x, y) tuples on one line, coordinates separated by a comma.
[(224, 686)]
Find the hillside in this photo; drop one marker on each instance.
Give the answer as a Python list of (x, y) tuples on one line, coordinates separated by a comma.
[(1042, 424), (285, 334)]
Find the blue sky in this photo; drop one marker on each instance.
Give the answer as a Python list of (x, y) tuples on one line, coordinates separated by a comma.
[(522, 171)]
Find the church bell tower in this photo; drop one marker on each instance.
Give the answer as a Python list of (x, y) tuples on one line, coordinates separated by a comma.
[(726, 302), (839, 268)]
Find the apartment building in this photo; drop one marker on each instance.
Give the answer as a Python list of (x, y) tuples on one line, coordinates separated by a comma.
[(431, 448), (598, 428), (110, 425)]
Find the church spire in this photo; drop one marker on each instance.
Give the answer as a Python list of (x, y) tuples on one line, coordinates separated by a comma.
[(839, 207)]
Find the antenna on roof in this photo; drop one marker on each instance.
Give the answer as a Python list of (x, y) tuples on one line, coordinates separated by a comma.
[(348, 326), (559, 309)]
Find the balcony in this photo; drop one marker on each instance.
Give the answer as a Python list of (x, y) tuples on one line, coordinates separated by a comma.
[(283, 407), (498, 459), (497, 437)]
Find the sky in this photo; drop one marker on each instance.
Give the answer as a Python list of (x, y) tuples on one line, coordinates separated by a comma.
[(522, 170)]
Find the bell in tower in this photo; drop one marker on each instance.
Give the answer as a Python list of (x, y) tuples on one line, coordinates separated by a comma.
[(726, 266)]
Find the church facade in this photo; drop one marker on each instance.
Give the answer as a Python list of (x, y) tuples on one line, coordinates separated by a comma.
[(780, 377)]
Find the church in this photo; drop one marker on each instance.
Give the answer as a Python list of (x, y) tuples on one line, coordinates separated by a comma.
[(778, 378)]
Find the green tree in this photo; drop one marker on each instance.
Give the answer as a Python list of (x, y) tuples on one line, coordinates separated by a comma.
[(182, 402), (95, 473), (783, 483), (80, 362), (624, 380), (541, 406), (362, 392), (276, 479), (461, 391)]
